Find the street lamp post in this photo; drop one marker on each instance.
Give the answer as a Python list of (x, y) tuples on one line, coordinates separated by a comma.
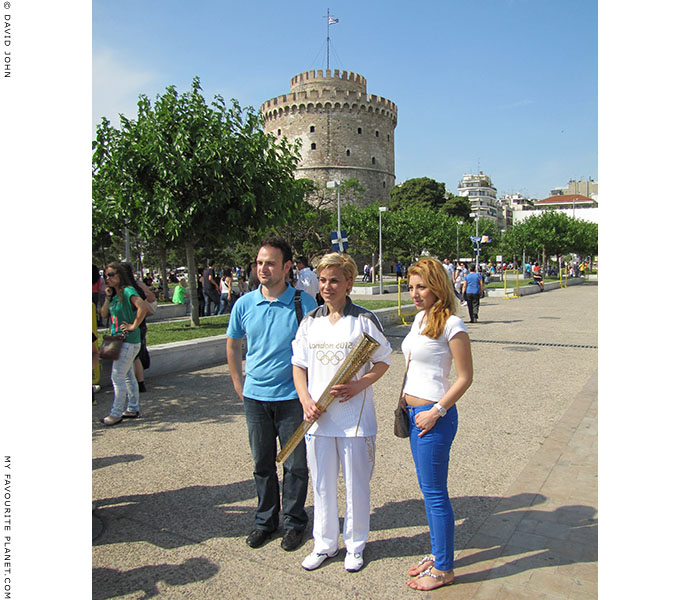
[(476, 234), (336, 184), (382, 209), (457, 243)]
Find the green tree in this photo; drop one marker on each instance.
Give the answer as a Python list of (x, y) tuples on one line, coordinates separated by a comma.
[(419, 191), (193, 173), (458, 206)]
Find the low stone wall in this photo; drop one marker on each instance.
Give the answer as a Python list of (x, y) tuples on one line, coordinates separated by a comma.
[(165, 312), (530, 288)]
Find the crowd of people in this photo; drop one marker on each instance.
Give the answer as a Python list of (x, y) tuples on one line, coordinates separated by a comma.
[(299, 326)]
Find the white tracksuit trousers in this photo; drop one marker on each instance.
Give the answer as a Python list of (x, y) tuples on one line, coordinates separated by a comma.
[(325, 455)]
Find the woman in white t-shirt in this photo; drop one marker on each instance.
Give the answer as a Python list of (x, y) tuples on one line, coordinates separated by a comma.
[(344, 434), (437, 338)]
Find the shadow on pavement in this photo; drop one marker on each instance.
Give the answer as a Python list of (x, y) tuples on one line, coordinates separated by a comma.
[(565, 536), (110, 583), (107, 461), (192, 397), (177, 518)]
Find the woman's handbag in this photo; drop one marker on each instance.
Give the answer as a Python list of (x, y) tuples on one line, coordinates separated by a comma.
[(401, 422), (401, 419), (111, 347)]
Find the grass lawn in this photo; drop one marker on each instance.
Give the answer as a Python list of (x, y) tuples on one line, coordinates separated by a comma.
[(179, 330)]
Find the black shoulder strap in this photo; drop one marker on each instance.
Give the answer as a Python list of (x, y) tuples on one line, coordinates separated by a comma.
[(298, 306)]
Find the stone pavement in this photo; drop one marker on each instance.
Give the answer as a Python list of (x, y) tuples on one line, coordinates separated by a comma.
[(175, 495)]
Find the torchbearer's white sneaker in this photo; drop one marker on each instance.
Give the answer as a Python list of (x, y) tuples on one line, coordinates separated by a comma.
[(315, 560), (353, 561)]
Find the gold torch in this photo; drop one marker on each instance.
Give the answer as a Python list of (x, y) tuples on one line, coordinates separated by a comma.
[(354, 361)]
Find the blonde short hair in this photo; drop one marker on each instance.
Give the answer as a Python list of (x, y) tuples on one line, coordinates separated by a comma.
[(344, 261)]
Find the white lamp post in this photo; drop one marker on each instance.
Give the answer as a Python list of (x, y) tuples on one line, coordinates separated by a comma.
[(336, 184), (457, 245), (382, 209), (476, 234)]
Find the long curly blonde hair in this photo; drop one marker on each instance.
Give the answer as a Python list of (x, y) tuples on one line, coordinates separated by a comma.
[(435, 278)]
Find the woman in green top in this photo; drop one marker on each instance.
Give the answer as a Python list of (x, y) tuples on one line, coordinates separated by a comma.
[(127, 310)]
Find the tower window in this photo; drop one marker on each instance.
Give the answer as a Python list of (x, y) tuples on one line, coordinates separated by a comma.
[(389, 138), (359, 130), (279, 132), (373, 160), (313, 146), (347, 152), (311, 129), (377, 134)]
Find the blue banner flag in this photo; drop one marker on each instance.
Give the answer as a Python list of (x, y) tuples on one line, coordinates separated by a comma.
[(339, 241)]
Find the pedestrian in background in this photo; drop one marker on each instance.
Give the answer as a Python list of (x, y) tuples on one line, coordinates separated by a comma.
[(473, 290), (127, 310)]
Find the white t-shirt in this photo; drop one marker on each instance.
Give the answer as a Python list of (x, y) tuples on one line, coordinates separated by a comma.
[(430, 362), (307, 281), (320, 347)]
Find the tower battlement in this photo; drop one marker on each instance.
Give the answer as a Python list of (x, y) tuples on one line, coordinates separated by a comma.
[(343, 79)]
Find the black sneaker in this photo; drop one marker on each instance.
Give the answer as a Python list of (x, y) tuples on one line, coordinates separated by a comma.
[(291, 540), (258, 537)]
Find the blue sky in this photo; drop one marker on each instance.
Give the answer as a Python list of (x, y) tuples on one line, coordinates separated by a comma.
[(505, 86)]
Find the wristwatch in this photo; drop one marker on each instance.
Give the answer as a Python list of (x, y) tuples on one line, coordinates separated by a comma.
[(442, 411)]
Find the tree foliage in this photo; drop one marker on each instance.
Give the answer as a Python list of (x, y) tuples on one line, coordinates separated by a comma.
[(189, 173), (422, 191)]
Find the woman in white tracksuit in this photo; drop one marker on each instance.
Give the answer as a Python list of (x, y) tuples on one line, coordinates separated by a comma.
[(344, 434)]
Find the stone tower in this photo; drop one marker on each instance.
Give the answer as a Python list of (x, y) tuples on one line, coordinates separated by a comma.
[(345, 132)]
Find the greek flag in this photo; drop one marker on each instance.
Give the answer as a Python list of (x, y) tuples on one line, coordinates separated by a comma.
[(332, 21), (339, 242)]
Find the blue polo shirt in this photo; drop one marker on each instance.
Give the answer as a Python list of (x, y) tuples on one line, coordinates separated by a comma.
[(472, 280), (270, 328)]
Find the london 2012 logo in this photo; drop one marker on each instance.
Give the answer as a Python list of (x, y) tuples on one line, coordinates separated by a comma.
[(329, 357)]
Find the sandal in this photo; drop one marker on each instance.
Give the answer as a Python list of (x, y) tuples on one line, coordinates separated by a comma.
[(415, 570), (438, 578), (131, 414)]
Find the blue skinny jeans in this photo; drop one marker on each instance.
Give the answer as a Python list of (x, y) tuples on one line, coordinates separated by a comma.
[(431, 454)]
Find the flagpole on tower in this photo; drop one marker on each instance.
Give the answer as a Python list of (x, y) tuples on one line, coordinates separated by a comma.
[(328, 40), (329, 21)]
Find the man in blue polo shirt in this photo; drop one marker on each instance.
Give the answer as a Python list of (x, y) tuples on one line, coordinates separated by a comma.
[(267, 317), (473, 290)]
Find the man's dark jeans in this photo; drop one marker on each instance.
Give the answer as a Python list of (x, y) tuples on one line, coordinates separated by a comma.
[(472, 306), (265, 422), (211, 302)]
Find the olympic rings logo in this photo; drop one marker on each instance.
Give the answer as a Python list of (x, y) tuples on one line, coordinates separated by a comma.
[(329, 357)]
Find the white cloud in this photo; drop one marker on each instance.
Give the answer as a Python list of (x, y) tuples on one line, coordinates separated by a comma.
[(116, 87)]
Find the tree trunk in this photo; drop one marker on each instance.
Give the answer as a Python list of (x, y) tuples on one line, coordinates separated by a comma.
[(163, 266), (193, 296)]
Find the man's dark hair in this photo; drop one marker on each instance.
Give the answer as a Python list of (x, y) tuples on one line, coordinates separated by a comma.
[(302, 260), (473, 267), (276, 242)]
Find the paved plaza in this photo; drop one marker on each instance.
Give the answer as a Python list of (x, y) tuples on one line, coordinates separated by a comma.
[(175, 497)]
